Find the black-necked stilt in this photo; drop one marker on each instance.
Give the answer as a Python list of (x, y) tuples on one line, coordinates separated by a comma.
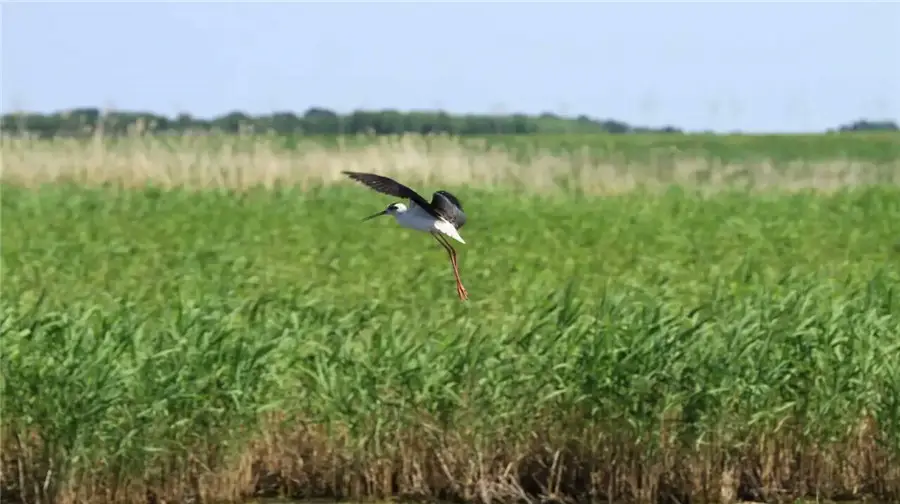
[(443, 216)]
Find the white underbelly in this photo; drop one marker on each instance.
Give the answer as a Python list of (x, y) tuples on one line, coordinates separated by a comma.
[(429, 224)]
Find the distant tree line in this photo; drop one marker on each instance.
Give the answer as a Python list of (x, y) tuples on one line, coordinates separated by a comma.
[(320, 121), (865, 125)]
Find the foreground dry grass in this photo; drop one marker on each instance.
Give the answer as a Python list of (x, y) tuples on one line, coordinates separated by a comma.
[(211, 162), (317, 461)]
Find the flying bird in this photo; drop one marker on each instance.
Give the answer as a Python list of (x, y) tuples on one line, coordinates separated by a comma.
[(442, 217)]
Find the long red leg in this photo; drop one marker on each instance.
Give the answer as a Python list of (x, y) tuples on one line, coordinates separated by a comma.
[(454, 261), (460, 290)]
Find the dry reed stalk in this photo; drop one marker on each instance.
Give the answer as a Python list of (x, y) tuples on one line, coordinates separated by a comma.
[(199, 162), (295, 458)]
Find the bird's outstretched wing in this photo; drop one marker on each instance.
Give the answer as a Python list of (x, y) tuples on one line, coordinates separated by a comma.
[(448, 207), (389, 186)]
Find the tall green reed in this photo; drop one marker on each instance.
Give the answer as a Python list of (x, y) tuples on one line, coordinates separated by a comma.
[(151, 337)]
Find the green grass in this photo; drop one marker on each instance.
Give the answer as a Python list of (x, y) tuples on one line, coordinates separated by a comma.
[(168, 339), (878, 147), (874, 147)]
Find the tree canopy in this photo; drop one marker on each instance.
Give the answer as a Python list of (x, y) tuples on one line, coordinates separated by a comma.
[(321, 121)]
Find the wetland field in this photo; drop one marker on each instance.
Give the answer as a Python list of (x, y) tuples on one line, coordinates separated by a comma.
[(652, 319)]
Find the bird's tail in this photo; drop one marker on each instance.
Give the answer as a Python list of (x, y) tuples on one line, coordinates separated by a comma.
[(455, 235), (449, 230)]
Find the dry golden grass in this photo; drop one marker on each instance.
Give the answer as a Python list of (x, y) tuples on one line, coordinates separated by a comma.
[(211, 162), (300, 460)]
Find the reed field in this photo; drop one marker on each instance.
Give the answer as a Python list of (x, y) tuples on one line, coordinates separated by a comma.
[(589, 164), (202, 319)]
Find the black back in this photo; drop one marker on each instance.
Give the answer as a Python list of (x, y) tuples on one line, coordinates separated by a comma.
[(391, 187), (443, 204), (448, 207)]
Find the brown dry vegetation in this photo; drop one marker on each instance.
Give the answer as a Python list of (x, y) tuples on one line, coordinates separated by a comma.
[(210, 162), (299, 460), (705, 444)]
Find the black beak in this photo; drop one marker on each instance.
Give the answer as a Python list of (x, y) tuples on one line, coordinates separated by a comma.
[(383, 212)]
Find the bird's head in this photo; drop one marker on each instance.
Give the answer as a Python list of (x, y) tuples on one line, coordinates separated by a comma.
[(392, 209)]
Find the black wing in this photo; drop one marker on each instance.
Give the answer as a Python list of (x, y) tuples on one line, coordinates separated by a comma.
[(389, 186), (448, 207)]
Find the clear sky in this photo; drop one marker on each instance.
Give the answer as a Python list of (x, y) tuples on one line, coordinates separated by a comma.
[(720, 66)]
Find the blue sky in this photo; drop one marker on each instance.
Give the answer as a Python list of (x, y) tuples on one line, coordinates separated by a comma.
[(721, 66)]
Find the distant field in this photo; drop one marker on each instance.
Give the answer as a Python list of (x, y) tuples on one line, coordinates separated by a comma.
[(593, 164), (691, 341), (878, 147)]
